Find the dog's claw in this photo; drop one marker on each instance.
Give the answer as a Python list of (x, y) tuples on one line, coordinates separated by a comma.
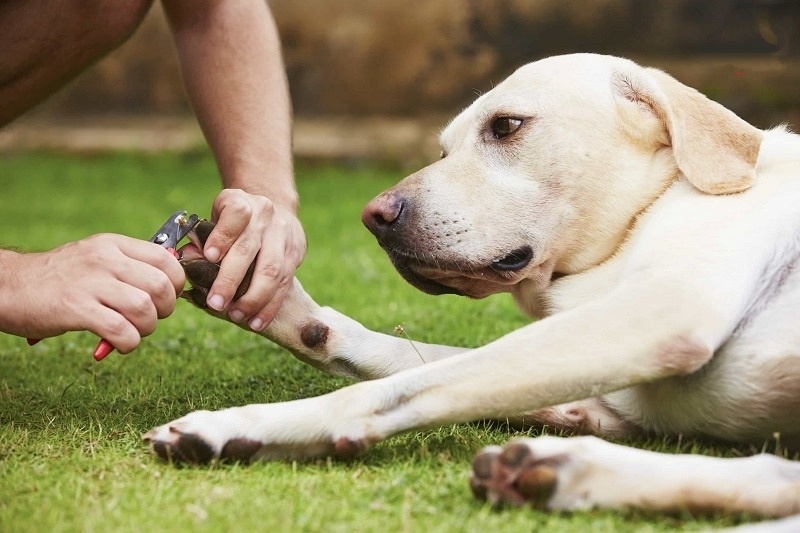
[(200, 272)]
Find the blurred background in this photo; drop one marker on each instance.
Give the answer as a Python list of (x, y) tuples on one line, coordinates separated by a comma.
[(376, 79)]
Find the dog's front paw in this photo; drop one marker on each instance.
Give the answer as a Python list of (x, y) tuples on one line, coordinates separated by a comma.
[(201, 272), (256, 432), (201, 437)]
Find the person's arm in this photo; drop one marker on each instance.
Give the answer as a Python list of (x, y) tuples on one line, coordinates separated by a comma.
[(112, 285), (233, 71)]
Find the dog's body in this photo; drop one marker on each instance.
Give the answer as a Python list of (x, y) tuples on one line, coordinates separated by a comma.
[(655, 233)]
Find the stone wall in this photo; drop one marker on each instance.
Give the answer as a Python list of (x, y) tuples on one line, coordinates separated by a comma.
[(411, 57)]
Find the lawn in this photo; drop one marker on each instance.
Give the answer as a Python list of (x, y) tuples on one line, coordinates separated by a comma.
[(71, 457)]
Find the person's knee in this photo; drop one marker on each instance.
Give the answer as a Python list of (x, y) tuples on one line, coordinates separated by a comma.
[(45, 44), (116, 20)]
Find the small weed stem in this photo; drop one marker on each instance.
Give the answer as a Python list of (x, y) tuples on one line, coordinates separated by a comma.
[(399, 329)]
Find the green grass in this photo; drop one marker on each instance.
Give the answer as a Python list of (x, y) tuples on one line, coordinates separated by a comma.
[(70, 452)]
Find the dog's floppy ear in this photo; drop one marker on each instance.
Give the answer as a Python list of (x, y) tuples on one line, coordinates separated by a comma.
[(715, 149)]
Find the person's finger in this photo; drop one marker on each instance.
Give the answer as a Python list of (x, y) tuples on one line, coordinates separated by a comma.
[(110, 325), (293, 255), (267, 314), (149, 268), (270, 274), (233, 269), (135, 305), (157, 257), (152, 282), (232, 213)]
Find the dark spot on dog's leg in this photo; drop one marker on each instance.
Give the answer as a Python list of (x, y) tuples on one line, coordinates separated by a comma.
[(346, 448), (240, 449), (314, 334)]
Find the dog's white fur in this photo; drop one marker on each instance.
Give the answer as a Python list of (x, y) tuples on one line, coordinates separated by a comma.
[(665, 234)]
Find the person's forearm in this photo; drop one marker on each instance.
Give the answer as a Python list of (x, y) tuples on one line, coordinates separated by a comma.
[(9, 291), (231, 62)]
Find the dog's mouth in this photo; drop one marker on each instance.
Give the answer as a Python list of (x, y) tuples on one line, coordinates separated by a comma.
[(423, 283), (476, 280), (513, 261)]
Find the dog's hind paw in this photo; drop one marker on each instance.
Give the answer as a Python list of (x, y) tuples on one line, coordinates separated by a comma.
[(581, 473), (565, 474), (515, 474)]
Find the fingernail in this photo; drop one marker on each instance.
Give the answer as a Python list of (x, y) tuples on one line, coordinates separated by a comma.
[(256, 324), (236, 315), (212, 254), (216, 302)]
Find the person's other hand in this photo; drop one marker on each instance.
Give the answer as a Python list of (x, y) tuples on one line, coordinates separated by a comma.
[(251, 227), (114, 286)]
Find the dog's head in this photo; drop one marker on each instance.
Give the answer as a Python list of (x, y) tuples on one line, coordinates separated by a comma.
[(546, 173)]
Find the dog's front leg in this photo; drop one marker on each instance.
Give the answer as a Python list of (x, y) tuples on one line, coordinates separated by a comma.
[(640, 332), (319, 336), (335, 343)]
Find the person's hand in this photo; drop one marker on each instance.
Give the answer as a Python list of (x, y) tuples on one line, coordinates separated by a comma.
[(251, 227), (115, 286)]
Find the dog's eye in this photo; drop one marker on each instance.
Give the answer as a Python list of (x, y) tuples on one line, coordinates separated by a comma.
[(505, 126)]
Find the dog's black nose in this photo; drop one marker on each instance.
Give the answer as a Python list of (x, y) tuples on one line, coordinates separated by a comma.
[(383, 214)]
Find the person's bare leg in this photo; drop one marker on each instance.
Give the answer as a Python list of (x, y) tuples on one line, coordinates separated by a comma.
[(46, 43)]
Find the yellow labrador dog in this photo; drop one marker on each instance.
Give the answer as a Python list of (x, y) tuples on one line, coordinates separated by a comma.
[(657, 237)]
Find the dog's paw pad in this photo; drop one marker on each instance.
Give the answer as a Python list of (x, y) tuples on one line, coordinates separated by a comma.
[(177, 447), (240, 450), (347, 448), (482, 470), (200, 272), (514, 475)]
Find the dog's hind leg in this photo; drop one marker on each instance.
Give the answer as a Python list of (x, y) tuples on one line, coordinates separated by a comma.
[(586, 472), (591, 416)]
